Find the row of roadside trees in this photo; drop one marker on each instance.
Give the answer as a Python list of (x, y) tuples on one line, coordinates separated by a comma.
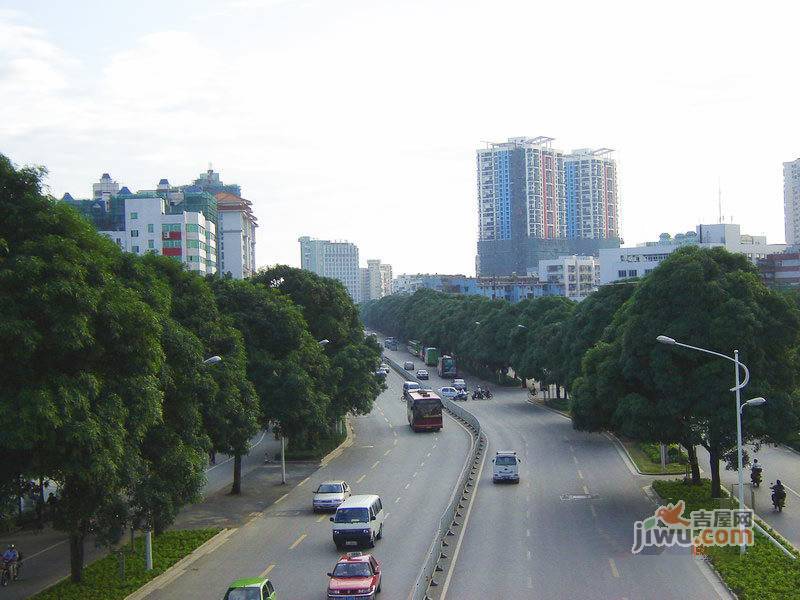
[(104, 390), (603, 351)]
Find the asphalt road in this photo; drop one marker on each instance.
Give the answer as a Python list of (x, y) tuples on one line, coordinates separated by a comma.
[(525, 541), (414, 473)]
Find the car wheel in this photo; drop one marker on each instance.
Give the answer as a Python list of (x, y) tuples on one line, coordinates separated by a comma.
[(379, 588), (380, 533), (371, 543)]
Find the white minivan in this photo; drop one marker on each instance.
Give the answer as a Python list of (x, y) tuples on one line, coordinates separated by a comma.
[(505, 466), (358, 520)]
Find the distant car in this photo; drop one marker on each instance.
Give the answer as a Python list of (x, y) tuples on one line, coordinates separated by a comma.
[(408, 365), (448, 392), (459, 384), (407, 387), (422, 374), (254, 588), (380, 374), (505, 466), (330, 494), (356, 575), (385, 367)]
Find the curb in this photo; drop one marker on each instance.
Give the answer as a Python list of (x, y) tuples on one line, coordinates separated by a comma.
[(179, 567), (348, 441)]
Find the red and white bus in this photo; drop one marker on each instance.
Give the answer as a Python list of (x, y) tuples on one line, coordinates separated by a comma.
[(424, 410)]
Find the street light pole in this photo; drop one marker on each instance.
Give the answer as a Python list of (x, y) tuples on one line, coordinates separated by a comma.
[(737, 389), (283, 459)]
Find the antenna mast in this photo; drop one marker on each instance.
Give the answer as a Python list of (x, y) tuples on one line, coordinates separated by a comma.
[(719, 198)]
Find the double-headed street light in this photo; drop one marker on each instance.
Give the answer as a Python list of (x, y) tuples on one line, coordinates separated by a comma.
[(739, 408), (212, 360)]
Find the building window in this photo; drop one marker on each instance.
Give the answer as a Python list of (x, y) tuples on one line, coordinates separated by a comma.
[(170, 227), (192, 243), (151, 244), (134, 233), (135, 249), (193, 258), (192, 228), (622, 274), (134, 216), (632, 273), (150, 228)]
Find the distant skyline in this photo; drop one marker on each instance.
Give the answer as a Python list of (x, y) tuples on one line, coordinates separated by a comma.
[(359, 120)]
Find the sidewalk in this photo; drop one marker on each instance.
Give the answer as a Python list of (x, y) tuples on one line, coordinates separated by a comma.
[(46, 552)]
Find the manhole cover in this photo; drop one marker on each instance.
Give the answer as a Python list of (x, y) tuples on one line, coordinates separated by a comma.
[(578, 496)]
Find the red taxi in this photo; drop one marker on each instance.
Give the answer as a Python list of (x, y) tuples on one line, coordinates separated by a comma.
[(355, 576)]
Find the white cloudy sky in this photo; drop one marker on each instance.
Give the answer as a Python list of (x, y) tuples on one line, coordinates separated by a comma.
[(358, 119)]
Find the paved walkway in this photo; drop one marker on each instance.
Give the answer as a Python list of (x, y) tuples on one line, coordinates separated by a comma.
[(46, 552)]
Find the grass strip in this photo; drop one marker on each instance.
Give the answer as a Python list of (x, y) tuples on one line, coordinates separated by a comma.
[(646, 465), (763, 573), (101, 580)]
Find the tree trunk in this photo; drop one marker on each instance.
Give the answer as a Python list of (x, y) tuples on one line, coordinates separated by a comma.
[(716, 487), (691, 452), (237, 474), (558, 391), (40, 505), (76, 556)]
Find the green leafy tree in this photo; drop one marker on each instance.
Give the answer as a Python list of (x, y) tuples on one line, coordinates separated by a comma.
[(81, 355), (710, 299)]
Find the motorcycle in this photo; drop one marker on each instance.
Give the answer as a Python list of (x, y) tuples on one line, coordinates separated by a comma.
[(755, 477), (778, 499), (487, 394), (9, 571), (478, 394)]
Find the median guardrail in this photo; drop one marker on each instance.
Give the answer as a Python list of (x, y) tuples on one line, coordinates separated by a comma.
[(465, 486)]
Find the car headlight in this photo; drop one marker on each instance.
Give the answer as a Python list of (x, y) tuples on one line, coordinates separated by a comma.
[(364, 591), (365, 531)]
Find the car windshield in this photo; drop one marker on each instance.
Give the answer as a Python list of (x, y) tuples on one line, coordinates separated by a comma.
[(505, 461), (250, 593), (352, 569), (351, 515), (330, 488)]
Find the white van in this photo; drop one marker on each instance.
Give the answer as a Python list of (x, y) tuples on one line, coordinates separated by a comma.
[(505, 466), (358, 520), (407, 387)]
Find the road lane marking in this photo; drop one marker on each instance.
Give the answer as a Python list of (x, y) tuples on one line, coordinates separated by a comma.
[(395, 433), (422, 464), (527, 533), (791, 490), (575, 459), (613, 566), (56, 545), (594, 511), (408, 484), (321, 519), (527, 514), (529, 555), (385, 419), (434, 446), (429, 454), (297, 541), (585, 490), (267, 571), (375, 464), (530, 582), (415, 473), (580, 474), (387, 452), (397, 500), (360, 479), (282, 497), (463, 528), (302, 482)]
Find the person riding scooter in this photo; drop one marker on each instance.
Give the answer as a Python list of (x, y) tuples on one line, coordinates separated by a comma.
[(755, 473), (778, 495), (477, 393), (487, 394)]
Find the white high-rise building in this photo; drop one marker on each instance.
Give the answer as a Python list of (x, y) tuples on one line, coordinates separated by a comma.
[(105, 188), (791, 201), (236, 235), (338, 260), (591, 194)]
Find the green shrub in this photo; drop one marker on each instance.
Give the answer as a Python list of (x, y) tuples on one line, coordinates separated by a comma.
[(763, 573), (101, 579), (674, 453)]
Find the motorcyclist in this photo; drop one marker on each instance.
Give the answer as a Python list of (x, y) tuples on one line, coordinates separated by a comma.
[(755, 472), (778, 494)]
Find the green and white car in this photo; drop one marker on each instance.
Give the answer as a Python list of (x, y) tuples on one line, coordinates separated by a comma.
[(254, 588)]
